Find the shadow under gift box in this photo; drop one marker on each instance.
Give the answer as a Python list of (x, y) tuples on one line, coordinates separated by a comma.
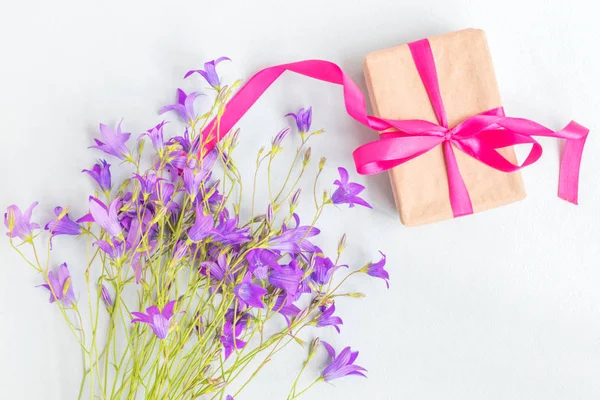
[(468, 87)]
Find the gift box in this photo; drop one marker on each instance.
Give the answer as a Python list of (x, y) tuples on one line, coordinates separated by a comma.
[(468, 87), (443, 134)]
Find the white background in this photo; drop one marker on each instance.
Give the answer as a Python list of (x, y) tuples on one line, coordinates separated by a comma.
[(500, 305)]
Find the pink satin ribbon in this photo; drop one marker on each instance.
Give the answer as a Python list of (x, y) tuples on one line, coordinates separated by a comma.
[(479, 136)]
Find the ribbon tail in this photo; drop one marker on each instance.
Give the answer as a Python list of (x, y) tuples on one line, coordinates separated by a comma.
[(568, 181), (459, 196)]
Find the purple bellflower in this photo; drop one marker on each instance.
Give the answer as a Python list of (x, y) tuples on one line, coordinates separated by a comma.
[(106, 217), (292, 240), (250, 294), (284, 306), (158, 320), (156, 136), (202, 226), (347, 192), (19, 224), (184, 107), (114, 142), (227, 232), (377, 270), (303, 119), (147, 183), (101, 174), (62, 225), (323, 270), (342, 365), (260, 261), (61, 287), (326, 318), (216, 269), (230, 340), (209, 73), (191, 181), (287, 278)]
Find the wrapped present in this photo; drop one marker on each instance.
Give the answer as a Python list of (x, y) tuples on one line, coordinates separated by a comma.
[(443, 133), (468, 87)]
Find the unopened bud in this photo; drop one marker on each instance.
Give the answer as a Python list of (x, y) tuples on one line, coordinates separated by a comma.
[(270, 214), (307, 156), (314, 346), (106, 297), (140, 147), (357, 295), (296, 197), (235, 137), (342, 244), (322, 163)]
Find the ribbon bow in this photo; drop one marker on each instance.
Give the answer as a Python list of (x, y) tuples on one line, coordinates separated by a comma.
[(479, 136)]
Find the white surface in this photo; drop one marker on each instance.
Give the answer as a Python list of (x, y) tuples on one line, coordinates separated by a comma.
[(500, 305)]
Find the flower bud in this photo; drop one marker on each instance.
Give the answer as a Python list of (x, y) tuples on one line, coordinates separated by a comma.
[(314, 346), (270, 215), (140, 147), (341, 244), (322, 163), (235, 137), (307, 154), (106, 297), (357, 295), (296, 197)]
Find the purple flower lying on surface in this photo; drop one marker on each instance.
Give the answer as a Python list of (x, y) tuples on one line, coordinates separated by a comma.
[(218, 269), (229, 397), (303, 119), (191, 181), (287, 278), (230, 340), (115, 251), (323, 270), (285, 306), (326, 318), (227, 232), (158, 320), (61, 287), (106, 217), (115, 142), (249, 293), (347, 192), (209, 73), (62, 225), (292, 240), (259, 262), (156, 136), (147, 183), (18, 223), (202, 226), (342, 365), (101, 174), (184, 107), (376, 270)]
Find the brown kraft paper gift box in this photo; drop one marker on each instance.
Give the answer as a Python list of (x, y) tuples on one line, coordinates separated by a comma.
[(468, 87)]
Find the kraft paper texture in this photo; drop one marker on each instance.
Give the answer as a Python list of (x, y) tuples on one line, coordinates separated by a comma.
[(468, 87)]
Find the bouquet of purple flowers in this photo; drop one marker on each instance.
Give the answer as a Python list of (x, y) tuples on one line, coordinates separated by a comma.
[(184, 299)]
